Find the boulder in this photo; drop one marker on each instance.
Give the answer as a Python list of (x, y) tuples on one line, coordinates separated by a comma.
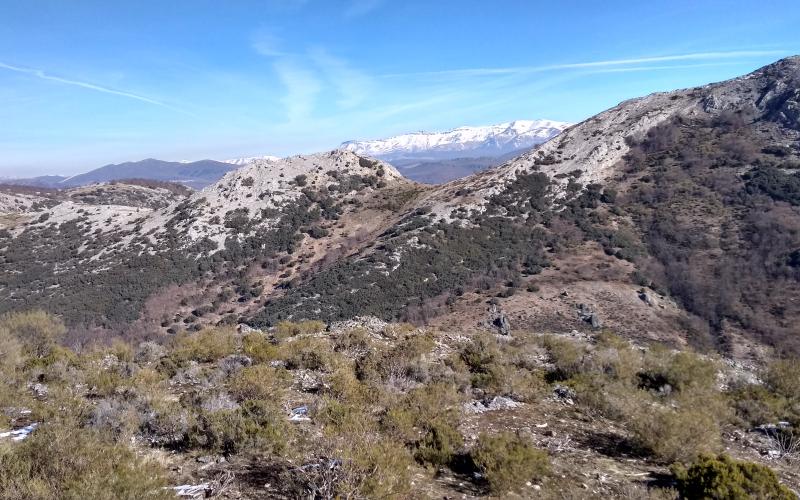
[(494, 404), (308, 381), (497, 320), (233, 363), (587, 314)]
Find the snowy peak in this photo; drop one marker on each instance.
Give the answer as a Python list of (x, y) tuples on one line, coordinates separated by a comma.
[(240, 162), (492, 140)]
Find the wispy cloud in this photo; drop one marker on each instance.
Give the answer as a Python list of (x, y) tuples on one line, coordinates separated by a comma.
[(307, 73), (513, 70), (358, 8), (267, 44), (42, 75), (632, 69), (352, 85), (302, 88)]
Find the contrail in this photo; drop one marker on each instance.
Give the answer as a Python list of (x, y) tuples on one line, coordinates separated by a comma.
[(86, 85), (697, 56)]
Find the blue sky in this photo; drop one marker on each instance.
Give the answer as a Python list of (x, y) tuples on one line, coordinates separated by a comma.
[(84, 83)]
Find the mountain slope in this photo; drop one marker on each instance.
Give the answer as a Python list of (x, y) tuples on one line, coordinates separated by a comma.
[(727, 152), (673, 216), (559, 292), (197, 174), (112, 258), (597, 145), (462, 142)]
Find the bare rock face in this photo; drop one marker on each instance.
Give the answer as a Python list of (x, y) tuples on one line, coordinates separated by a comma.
[(497, 320), (779, 96), (785, 108), (371, 324), (587, 313)]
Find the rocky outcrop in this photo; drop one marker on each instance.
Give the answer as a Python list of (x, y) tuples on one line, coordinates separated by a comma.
[(497, 320), (587, 313)]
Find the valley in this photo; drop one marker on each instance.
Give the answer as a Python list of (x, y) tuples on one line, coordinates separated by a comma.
[(590, 318)]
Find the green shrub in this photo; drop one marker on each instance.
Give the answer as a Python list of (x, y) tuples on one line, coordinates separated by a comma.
[(167, 424), (778, 398), (260, 382), (480, 353), (308, 353), (614, 357), (483, 359), (286, 329), (343, 418), (436, 401), (410, 418), (344, 386), (72, 463), (106, 381), (675, 434), (439, 444), (783, 378), (381, 468), (755, 404), (683, 371), (38, 331), (256, 425), (722, 478), (400, 423), (259, 348), (355, 341), (206, 345), (566, 355), (11, 355), (398, 365), (607, 397), (507, 462), (521, 384)]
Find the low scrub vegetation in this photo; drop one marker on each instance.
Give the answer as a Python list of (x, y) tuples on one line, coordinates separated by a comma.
[(724, 478), (710, 199), (373, 409), (508, 462)]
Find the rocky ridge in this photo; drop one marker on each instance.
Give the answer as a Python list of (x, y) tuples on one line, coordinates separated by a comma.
[(595, 146)]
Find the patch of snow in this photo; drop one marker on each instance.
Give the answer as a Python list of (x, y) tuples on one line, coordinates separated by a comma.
[(192, 490), (299, 414), (19, 434)]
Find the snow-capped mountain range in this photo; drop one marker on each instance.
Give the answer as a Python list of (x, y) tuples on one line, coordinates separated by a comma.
[(240, 162), (430, 157), (492, 140)]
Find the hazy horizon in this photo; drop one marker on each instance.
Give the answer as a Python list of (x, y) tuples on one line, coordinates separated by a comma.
[(201, 80)]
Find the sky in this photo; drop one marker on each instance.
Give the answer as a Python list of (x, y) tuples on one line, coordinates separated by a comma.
[(85, 83)]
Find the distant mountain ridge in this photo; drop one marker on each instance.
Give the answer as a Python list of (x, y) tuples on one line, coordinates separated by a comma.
[(196, 175), (461, 142), (44, 181), (427, 157)]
